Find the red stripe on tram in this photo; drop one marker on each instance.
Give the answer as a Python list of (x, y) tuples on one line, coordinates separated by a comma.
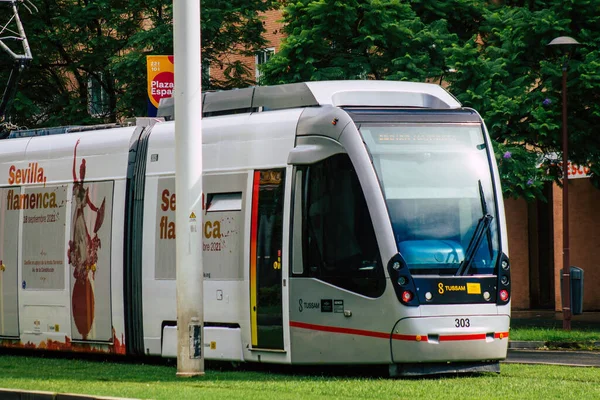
[(501, 335), (336, 329), (395, 336), (359, 332)]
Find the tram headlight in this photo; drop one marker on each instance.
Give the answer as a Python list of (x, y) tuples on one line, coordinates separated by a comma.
[(505, 265), (402, 281), (504, 295), (396, 266), (486, 296), (428, 296), (504, 280), (407, 296)]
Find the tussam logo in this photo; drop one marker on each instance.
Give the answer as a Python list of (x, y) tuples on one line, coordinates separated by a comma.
[(308, 305), (450, 288)]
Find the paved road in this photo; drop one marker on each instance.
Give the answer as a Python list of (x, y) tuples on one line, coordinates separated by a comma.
[(571, 358)]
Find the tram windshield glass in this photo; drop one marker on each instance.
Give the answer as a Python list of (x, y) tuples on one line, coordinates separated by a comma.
[(437, 185)]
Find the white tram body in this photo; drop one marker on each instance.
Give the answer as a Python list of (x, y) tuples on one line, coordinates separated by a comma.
[(347, 222)]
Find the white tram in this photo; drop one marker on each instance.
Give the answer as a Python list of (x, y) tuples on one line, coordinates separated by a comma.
[(350, 222)]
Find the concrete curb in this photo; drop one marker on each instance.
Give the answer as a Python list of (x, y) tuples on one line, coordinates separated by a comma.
[(15, 394), (522, 344), (533, 345), (565, 357)]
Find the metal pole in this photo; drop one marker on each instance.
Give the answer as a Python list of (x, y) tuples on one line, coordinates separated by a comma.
[(188, 187), (566, 275), (565, 42)]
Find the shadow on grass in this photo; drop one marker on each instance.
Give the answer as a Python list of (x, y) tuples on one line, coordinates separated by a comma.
[(109, 368)]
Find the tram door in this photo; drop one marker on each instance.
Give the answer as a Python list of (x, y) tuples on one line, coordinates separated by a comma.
[(265, 259)]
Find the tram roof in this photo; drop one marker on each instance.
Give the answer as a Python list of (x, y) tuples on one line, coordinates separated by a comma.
[(382, 94), (364, 93)]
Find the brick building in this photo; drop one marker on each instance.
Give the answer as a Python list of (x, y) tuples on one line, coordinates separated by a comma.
[(535, 242), (274, 36)]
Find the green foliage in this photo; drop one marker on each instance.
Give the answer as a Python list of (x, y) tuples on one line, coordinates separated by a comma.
[(357, 39), (499, 60), (514, 80), (518, 166), (108, 40)]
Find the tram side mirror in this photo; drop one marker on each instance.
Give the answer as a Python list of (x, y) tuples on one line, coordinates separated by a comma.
[(310, 150)]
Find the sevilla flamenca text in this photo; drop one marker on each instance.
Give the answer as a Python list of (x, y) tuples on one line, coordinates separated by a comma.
[(32, 174), (18, 201)]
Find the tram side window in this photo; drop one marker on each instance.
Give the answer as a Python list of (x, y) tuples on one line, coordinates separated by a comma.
[(340, 244)]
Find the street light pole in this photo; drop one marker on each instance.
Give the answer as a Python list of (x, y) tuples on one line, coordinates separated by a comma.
[(565, 42), (188, 187), (566, 275)]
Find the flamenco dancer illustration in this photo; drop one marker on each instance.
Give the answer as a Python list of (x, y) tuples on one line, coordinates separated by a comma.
[(83, 250)]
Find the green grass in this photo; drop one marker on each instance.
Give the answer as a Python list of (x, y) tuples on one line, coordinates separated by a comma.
[(554, 335), (160, 382)]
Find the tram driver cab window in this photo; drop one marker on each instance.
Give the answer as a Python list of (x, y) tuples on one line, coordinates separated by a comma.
[(340, 245)]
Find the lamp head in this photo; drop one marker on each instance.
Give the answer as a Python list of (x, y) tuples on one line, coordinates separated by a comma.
[(564, 43)]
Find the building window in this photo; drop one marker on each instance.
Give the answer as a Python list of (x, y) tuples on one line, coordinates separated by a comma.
[(261, 58), (98, 102)]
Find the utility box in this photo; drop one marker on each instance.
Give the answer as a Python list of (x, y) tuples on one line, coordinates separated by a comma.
[(576, 286)]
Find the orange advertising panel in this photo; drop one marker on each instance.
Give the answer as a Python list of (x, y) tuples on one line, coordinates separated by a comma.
[(161, 79)]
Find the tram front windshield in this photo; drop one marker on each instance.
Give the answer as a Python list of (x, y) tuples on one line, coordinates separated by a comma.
[(437, 185)]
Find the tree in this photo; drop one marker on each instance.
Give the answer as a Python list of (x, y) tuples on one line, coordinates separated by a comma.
[(357, 39), (496, 50), (231, 27), (98, 48), (509, 75), (71, 43)]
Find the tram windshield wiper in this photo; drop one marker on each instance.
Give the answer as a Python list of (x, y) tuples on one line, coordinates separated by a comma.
[(484, 210), (482, 228)]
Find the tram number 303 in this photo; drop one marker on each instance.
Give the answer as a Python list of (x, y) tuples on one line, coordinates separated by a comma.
[(462, 323)]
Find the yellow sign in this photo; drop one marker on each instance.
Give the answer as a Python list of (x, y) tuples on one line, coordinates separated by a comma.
[(474, 288), (192, 215)]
